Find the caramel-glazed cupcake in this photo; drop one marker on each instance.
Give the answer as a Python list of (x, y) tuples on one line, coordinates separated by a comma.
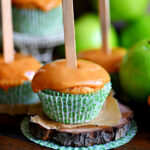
[(15, 80), (72, 95)]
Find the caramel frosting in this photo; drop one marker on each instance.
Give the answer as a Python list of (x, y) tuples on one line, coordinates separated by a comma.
[(110, 62), (20, 70), (44, 5), (58, 76)]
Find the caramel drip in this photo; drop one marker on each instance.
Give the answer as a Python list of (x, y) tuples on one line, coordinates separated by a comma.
[(57, 76), (18, 71), (110, 62), (44, 5)]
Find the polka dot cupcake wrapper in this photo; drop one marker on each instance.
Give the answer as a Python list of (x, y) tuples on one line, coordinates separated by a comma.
[(50, 144), (21, 94), (36, 22), (73, 108)]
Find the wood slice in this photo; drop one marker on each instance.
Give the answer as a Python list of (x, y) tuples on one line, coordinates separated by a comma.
[(93, 135)]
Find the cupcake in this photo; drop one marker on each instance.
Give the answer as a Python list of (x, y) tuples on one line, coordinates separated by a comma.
[(71, 96), (37, 17), (110, 62), (15, 82)]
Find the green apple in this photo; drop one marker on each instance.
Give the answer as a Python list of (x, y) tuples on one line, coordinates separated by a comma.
[(125, 9), (88, 33), (135, 71), (135, 32), (128, 9)]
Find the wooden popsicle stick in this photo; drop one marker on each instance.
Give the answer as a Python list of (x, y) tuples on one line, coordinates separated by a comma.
[(104, 14), (8, 45), (69, 33)]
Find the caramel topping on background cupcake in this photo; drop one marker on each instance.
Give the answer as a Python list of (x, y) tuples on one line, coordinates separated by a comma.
[(110, 62), (20, 70), (87, 78), (44, 5)]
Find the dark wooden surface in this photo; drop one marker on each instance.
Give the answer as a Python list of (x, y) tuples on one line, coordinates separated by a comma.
[(11, 137)]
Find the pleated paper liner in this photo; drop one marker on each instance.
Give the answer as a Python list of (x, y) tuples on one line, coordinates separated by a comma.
[(73, 108), (21, 94), (36, 22)]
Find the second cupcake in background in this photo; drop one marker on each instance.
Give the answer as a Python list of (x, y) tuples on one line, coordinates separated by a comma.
[(15, 84), (37, 17), (72, 96)]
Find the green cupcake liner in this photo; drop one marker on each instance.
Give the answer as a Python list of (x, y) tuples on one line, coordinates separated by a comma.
[(36, 22), (21, 94), (50, 144), (73, 108)]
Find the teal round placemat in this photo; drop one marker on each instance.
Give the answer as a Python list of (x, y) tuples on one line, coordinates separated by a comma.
[(131, 133)]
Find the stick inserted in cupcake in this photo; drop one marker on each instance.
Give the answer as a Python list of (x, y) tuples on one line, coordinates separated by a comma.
[(69, 33), (8, 45), (104, 14)]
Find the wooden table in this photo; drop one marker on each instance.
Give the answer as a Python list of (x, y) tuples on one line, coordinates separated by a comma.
[(11, 137)]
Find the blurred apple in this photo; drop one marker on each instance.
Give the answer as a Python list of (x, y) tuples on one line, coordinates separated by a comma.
[(125, 9), (135, 71), (88, 33), (135, 32)]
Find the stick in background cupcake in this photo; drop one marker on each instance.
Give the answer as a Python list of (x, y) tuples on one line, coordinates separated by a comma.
[(104, 14), (8, 45), (16, 71), (106, 56)]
